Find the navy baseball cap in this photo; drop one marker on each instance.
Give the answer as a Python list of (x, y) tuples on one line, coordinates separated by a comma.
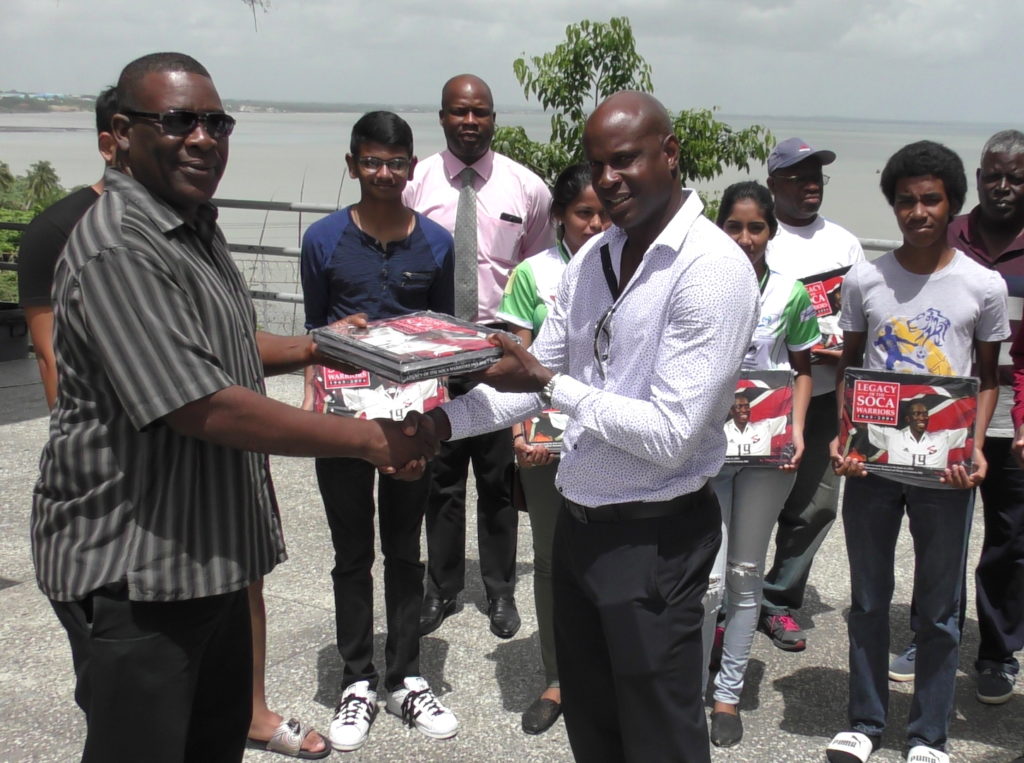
[(793, 150)]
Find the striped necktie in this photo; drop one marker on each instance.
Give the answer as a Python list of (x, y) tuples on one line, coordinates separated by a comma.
[(466, 291)]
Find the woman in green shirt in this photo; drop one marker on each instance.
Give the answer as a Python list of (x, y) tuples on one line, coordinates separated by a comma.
[(529, 295)]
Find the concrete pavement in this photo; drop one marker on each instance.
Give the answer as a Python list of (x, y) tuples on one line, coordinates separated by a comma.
[(792, 703)]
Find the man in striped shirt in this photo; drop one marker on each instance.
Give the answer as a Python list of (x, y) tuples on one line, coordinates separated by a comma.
[(154, 508)]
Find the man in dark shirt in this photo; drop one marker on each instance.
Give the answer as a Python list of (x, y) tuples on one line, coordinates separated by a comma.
[(380, 258), (42, 243), (154, 509), (992, 234)]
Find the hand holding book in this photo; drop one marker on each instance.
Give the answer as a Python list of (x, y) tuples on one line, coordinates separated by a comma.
[(516, 371)]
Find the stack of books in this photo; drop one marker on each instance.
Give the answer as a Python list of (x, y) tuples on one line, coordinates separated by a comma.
[(409, 348)]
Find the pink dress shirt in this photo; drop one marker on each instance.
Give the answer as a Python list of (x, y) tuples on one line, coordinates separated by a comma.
[(513, 215)]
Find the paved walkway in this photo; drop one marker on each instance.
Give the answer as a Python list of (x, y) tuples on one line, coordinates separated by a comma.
[(792, 704)]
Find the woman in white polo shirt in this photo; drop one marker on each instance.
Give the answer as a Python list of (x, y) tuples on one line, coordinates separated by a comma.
[(751, 497)]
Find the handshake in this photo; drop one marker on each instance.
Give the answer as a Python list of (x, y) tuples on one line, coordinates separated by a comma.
[(404, 447)]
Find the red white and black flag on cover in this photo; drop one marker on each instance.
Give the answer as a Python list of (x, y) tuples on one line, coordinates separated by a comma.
[(915, 425), (759, 429)]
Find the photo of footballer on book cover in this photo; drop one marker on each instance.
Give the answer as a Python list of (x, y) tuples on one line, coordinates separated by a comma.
[(826, 293), (366, 395), (759, 429), (913, 425)]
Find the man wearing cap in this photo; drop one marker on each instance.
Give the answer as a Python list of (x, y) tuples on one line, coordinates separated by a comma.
[(806, 244)]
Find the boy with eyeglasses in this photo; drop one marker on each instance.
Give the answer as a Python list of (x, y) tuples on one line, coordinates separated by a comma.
[(380, 258)]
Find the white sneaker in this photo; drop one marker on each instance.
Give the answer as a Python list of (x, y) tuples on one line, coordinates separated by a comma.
[(922, 754), (417, 706), (351, 723)]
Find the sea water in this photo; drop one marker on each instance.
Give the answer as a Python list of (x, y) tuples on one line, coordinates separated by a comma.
[(300, 157)]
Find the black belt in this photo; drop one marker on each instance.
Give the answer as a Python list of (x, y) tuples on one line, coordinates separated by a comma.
[(614, 512)]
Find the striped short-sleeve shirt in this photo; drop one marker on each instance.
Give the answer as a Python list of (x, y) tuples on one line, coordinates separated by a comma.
[(150, 314)]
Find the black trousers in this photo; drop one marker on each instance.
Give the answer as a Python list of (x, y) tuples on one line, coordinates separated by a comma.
[(999, 578), (346, 485), (628, 617), (497, 520), (161, 681)]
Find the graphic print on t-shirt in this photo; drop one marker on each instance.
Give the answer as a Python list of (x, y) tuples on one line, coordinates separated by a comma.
[(915, 344)]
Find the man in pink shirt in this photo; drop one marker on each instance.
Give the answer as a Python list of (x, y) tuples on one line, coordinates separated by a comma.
[(508, 208)]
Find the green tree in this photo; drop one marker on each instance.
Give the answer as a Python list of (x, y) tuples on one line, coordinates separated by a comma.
[(596, 60), (42, 185), (11, 239), (6, 178)]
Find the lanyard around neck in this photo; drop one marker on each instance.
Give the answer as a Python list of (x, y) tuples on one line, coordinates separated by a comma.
[(609, 272)]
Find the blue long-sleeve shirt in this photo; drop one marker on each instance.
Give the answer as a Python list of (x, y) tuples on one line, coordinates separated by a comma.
[(346, 271)]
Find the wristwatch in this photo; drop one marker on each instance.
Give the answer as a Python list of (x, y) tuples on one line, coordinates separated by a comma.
[(549, 388)]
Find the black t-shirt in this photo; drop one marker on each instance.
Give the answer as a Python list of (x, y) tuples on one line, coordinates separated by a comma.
[(43, 241)]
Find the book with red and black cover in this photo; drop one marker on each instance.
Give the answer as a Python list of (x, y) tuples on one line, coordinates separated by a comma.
[(825, 290), (759, 430), (908, 425), (546, 429), (365, 395), (413, 347)]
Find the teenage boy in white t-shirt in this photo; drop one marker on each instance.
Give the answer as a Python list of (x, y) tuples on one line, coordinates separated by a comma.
[(942, 308)]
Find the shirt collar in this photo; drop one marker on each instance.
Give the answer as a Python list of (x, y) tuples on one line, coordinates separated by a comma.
[(673, 234), (965, 230), (453, 165), (165, 217)]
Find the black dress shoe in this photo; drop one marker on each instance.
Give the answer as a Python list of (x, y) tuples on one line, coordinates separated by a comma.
[(541, 715), (434, 611), (726, 729), (504, 616)]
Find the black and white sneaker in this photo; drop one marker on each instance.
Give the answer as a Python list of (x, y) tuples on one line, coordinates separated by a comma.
[(417, 706), (355, 713)]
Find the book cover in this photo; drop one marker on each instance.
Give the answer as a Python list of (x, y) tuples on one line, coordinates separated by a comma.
[(546, 429), (825, 291), (413, 347), (759, 430), (365, 395), (905, 425)]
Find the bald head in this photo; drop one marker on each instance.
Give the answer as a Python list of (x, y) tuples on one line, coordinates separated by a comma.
[(641, 111), (634, 161), (467, 117), (462, 83)]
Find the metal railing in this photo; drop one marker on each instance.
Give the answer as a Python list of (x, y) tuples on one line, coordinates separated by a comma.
[(869, 244)]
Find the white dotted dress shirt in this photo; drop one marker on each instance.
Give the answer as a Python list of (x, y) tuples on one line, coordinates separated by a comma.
[(650, 429)]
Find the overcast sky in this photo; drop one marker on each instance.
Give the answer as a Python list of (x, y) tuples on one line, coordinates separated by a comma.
[(929, 60)]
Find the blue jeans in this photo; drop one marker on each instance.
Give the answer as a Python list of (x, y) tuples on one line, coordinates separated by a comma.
[(940, 523)]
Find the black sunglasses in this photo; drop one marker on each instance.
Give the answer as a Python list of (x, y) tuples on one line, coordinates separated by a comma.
[(182, 123)]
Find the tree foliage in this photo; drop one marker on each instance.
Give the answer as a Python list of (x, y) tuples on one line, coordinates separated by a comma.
[(598, 59), (22, 197), (42, 185), (11, 239), (6, 178), (263, 5)]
